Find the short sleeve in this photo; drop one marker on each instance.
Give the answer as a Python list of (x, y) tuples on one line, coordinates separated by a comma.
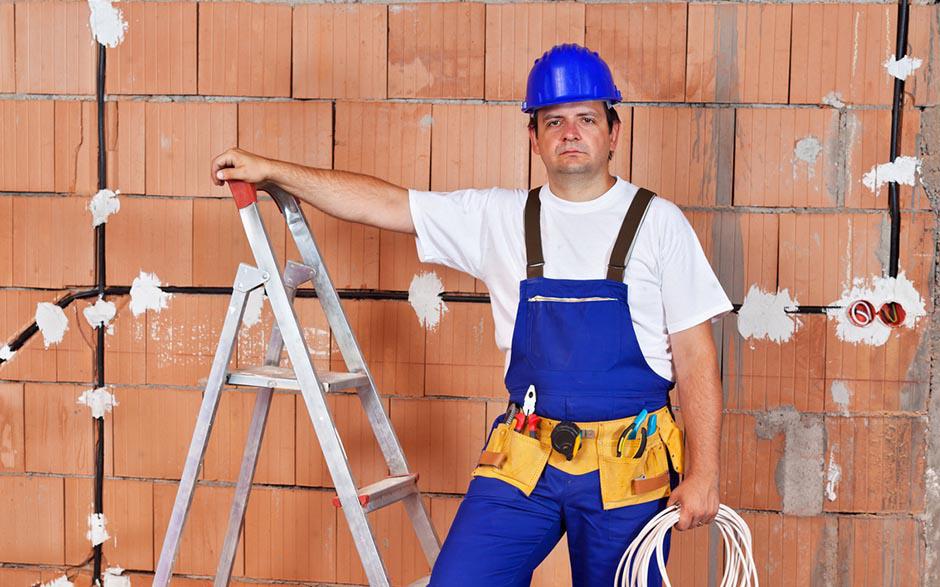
[(691, 292), (451, 227)]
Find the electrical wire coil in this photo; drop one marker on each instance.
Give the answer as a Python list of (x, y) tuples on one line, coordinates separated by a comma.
[(739, 559)]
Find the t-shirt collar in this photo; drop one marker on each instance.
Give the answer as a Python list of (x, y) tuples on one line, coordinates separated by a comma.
[(615, 194)]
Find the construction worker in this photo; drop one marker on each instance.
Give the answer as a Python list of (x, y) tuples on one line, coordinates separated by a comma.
[(602, 299)]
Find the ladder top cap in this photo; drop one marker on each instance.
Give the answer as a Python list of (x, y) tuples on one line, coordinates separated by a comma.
[(243, 193)]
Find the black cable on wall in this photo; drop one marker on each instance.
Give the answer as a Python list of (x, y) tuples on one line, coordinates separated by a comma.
[(894, 203)]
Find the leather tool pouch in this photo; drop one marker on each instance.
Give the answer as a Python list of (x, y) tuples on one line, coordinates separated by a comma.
[(514, 458), (630, 479)]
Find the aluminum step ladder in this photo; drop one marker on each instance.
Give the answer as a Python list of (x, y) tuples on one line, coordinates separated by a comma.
[(356, 503)]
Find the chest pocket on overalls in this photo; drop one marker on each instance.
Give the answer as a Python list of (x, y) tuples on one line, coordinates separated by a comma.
[(578, 334)]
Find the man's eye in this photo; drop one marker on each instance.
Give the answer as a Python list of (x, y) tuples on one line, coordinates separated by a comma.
[(588, 120), (552, 123)]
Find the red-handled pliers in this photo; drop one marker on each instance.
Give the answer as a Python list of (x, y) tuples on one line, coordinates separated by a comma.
[(527, 425)]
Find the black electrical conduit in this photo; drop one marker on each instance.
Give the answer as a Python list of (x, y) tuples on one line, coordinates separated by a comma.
[(894, 204)]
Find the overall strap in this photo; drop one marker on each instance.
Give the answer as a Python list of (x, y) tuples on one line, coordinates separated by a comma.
[(535, 262), (624, 243)]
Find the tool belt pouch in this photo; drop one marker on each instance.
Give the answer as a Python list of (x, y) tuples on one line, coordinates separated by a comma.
[(514, 458), (630, 479)]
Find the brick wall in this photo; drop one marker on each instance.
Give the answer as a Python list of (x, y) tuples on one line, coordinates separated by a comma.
[(426, 95)]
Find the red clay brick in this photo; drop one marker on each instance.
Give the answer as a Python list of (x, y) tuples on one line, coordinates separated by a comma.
[(403, 557), (126, 140), (924, 26), (791, 550), (738, 53), (462, 358), (898, 542), (145, 415), (227, 443), (181, 140), (436, 50), (645, 46), (158, 54), (244, 49), (75, 354), (27, 164), (881, 461), (742, 248), (688, 562), (219, 243), (442, 440), (253, 340), (362, 450), (684, 154), (518, 34), (748, 465), (7, 49), (291, 534), (76, 147), (59, 434), (12, 414), (392, 342), (55, 50), (33, 507), (154, 236), (12, 577), (784, 157), (63, 256), (6, 241), (340, 51), (32, 362), (869, 139), (301, 132), (841, 48), (619, 165), (182, 339), (128, 509), (204, 532), (126, 350)]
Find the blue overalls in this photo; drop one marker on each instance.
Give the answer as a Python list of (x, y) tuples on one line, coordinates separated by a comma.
[(574, 340)]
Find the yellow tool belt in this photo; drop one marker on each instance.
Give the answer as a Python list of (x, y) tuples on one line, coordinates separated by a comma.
[(628, 479)]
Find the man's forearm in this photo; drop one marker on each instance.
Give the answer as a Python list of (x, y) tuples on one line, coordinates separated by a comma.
[(701, 415), (346, 195)]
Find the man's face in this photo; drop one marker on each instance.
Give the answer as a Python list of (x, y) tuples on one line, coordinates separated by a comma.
[(574, 138)]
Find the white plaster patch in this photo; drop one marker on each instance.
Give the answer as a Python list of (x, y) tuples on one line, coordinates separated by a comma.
[(96, 529), (5, 353), (99, 400), (147, 295), (877, 290), (114, 577), (833, 475), (101, 314), (763, 315), (807, 150), (52, 322), (102, 205), (841, 394), (903, 67), (833, 99), (107, 23), (424, 295), (426, 121), (62, 581), (902, 170), (253, 307)]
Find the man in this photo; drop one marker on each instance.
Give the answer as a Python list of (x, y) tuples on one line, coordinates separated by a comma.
[(598, 326)]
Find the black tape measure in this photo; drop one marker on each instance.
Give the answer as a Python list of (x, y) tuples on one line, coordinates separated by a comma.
[(566, 439)]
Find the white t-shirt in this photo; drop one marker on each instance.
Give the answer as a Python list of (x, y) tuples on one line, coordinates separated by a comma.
[(671, 286)]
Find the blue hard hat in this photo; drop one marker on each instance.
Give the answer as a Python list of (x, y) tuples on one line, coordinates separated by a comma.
[(569, 73)]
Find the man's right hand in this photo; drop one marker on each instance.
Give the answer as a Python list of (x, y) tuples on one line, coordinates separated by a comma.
[(235, 164)]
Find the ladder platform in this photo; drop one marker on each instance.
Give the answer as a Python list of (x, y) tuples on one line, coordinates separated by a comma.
[(283, 378), (385, 492)]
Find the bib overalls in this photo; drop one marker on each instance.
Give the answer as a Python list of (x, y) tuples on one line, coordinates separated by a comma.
[(574, 340)]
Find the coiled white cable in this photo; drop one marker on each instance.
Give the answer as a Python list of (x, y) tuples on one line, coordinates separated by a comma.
[(739, 560)]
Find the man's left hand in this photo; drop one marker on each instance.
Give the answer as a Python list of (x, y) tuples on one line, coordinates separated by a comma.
[(697, 497)]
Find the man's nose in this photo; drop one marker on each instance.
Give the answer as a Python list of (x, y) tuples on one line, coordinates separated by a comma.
[(572, 133)]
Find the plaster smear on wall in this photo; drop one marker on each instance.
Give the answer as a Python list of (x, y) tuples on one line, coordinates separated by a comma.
[(114, 577), (253, 307), (763, 315), (841, 394), (101, 314), (106, 22), (902, 170), (62, 581), (903, 67), (807, 150), (52, 322), (147, 295), (833, 474), (833, 99), (5, 353), (99, 400), (102, 205), (96, 530), (876, 290), (424, 295)]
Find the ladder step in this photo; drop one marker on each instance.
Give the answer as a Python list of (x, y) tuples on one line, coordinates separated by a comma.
[(283, 378), (422, 582), (385, 492)]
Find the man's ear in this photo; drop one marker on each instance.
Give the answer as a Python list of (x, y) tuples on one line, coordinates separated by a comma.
[(615, 135), (534, 141)]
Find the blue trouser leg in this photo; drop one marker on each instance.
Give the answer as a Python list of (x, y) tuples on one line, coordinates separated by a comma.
[(499, 535)]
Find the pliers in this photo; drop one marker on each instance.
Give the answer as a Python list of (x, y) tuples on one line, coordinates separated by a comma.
[(630, 432)]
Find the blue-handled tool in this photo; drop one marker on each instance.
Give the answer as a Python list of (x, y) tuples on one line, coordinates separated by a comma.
[(652, 425), (637, 422)]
